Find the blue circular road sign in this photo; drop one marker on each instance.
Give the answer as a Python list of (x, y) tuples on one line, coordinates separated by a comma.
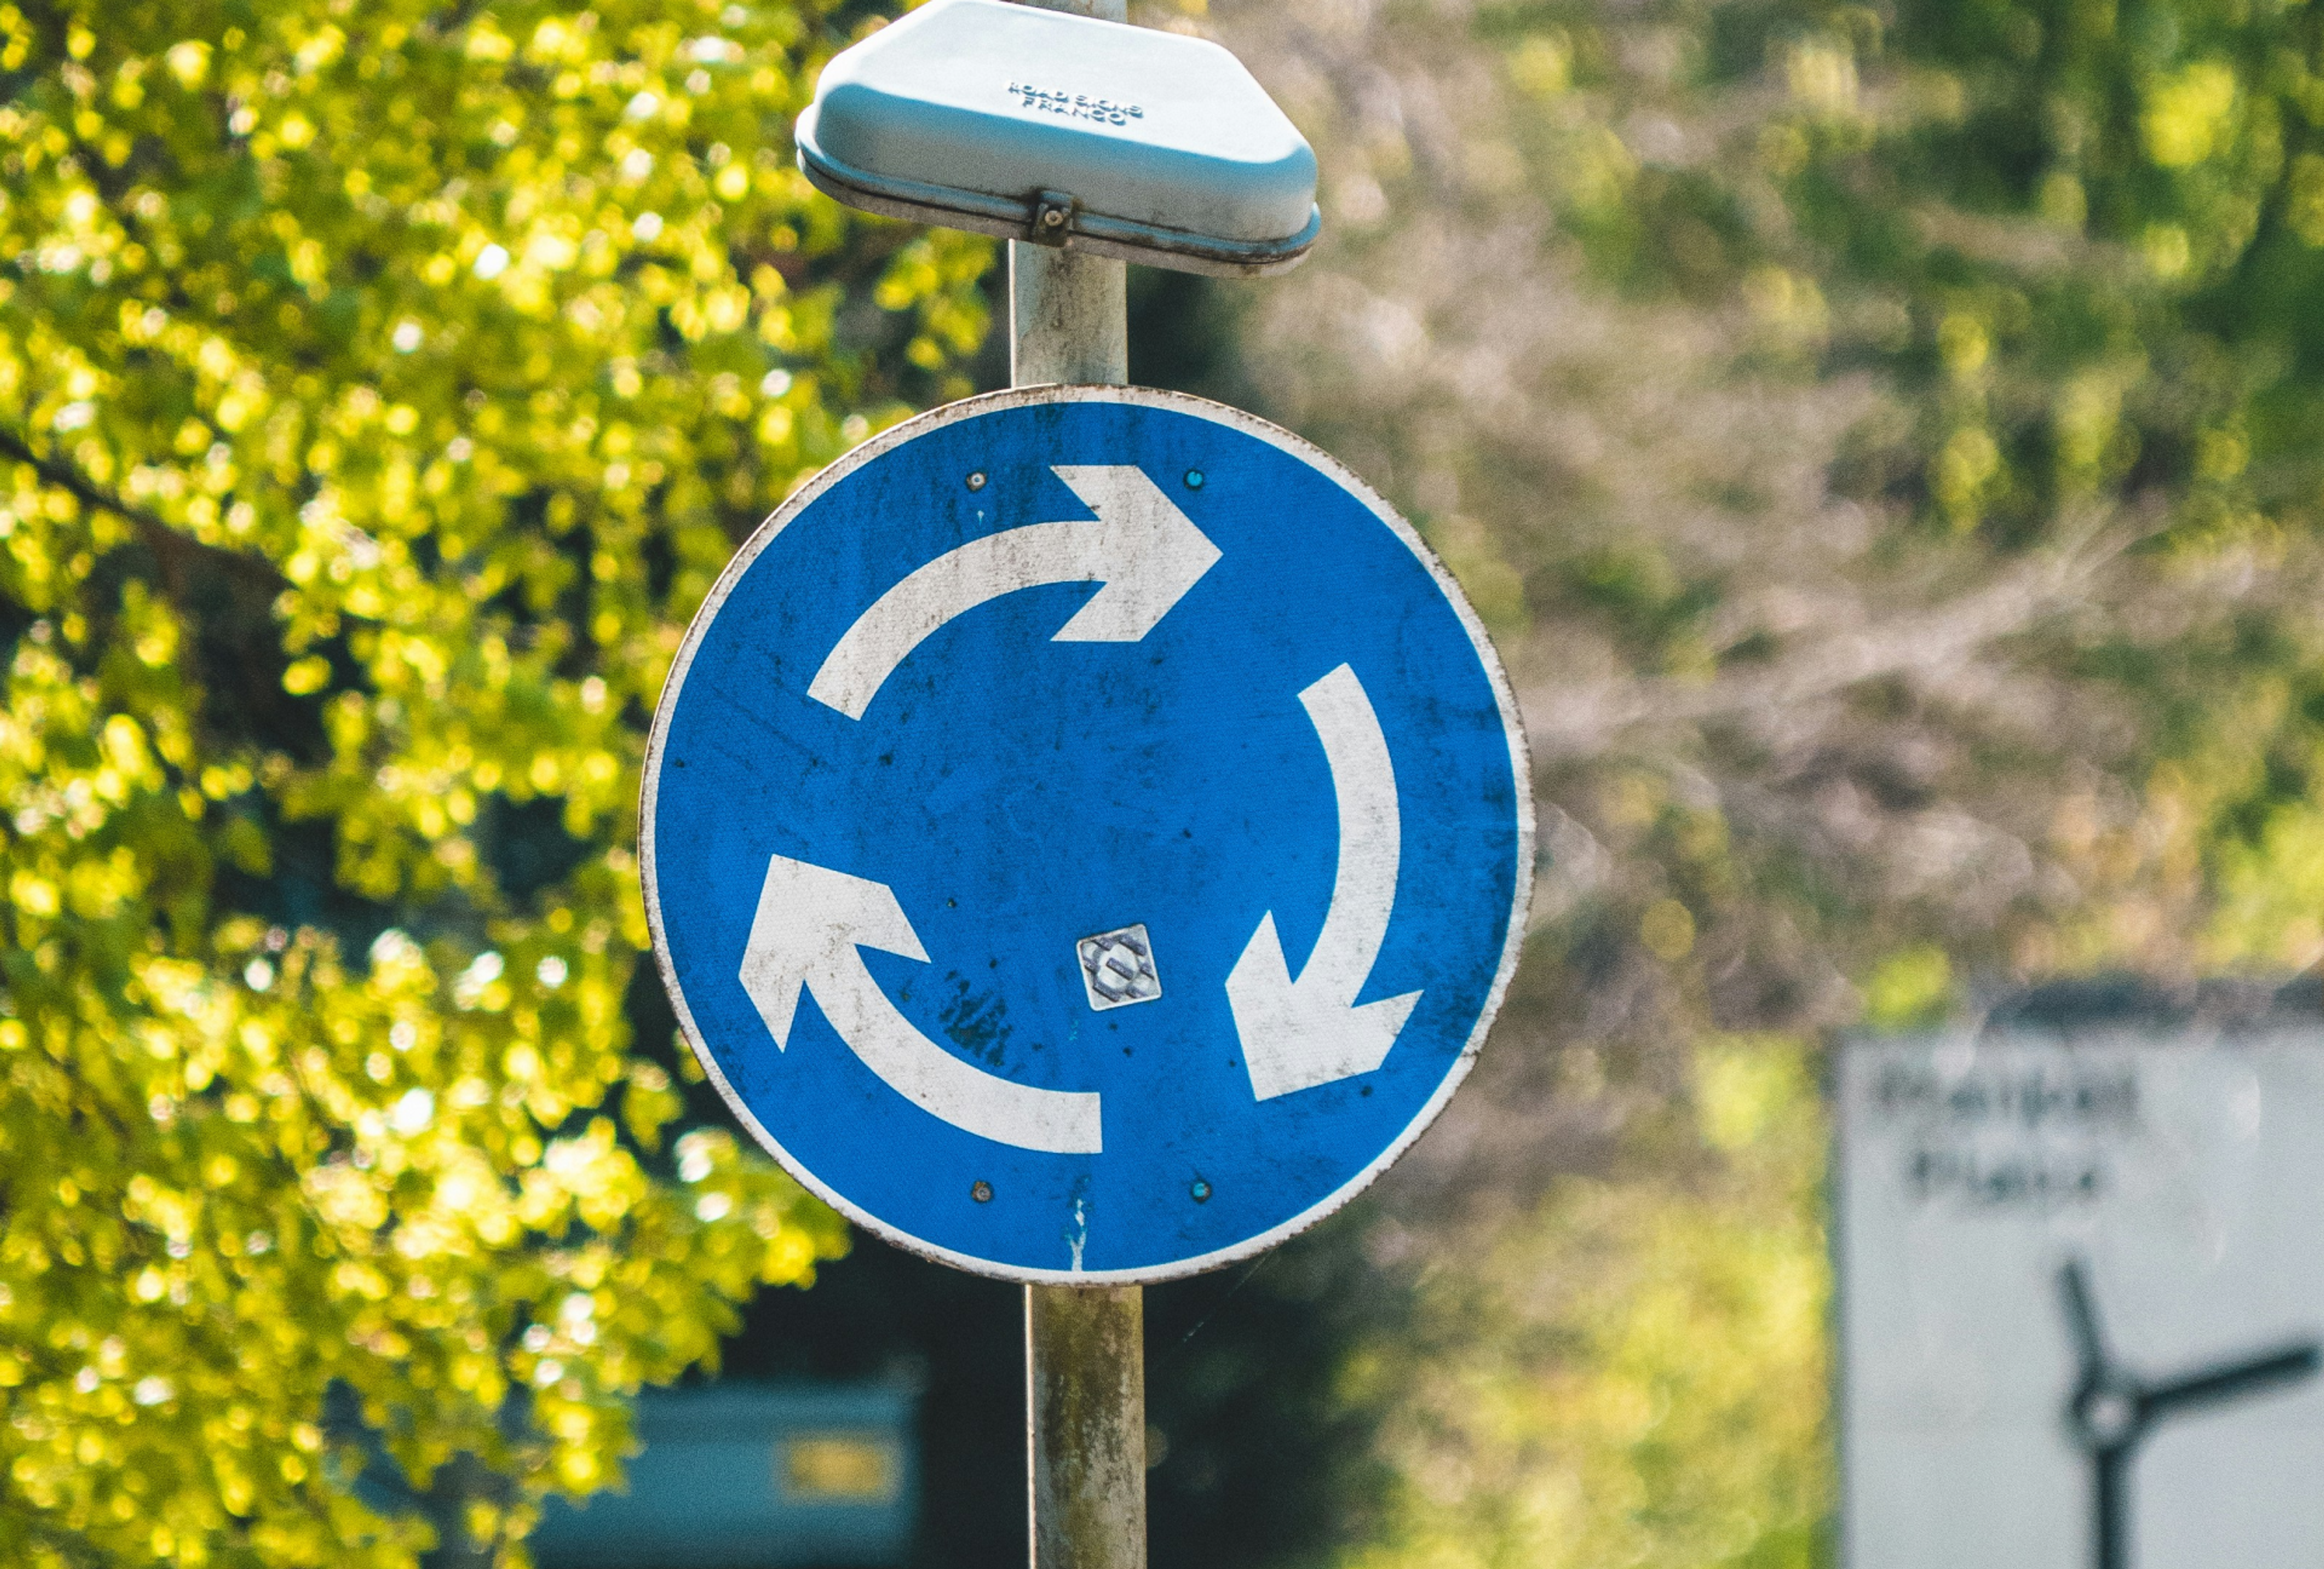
[(1086, 834)]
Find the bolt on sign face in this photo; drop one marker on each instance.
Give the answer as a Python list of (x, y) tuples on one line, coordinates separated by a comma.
[(1085, 835)]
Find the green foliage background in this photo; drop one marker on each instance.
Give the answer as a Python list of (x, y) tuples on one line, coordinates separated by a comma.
[(381, 387)]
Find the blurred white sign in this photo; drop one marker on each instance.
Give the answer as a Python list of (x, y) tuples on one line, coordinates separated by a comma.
[(2081, 1296)]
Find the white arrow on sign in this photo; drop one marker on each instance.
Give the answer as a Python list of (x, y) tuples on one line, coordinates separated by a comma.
[(811, 921), (1298, 1034), (1142, 549)]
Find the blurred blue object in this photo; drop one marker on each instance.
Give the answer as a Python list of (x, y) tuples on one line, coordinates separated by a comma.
[(752, 1476)]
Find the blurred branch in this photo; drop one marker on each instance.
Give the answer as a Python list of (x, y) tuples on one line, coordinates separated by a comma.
[(1925, 647), (174, 550)]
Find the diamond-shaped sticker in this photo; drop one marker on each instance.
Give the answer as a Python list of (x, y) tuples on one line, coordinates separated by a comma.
[(1118, 968)]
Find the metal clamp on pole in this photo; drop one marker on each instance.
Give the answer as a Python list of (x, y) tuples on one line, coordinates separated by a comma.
[(1053, 218)]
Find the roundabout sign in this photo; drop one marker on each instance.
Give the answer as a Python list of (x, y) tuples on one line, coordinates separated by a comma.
[(1085, 835)]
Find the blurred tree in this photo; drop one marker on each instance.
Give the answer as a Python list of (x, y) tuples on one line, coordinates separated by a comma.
[(1617, 1376), (381, 388)]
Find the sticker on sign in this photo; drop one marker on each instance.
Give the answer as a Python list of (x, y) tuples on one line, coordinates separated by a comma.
[(2082, 1301)]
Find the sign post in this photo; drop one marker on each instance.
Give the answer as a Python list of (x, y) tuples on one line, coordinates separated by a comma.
[(1084, 1345), (1085, 835), (1085, 1426)]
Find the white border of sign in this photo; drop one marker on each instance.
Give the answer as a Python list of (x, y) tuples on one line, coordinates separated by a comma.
[(1274, 435)]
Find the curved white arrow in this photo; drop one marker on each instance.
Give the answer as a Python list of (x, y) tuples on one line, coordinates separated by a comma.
[(810, 922), (1140, 546), (1298, 1034)]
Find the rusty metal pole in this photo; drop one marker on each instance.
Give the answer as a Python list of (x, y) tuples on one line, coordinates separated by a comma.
[(1068, 314), (1085, 1437), (1084, 1345)]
